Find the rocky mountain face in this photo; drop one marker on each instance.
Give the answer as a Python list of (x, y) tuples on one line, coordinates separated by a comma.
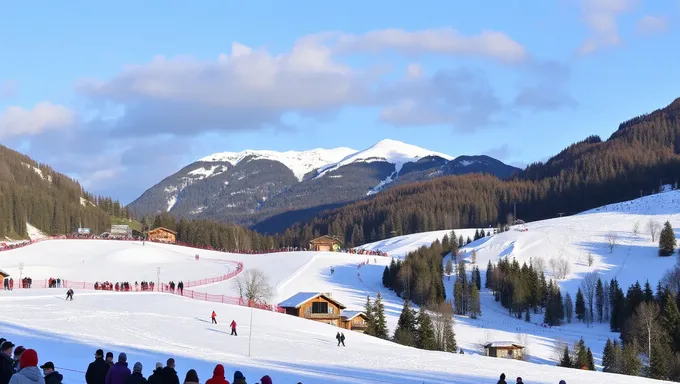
[(271, 190)]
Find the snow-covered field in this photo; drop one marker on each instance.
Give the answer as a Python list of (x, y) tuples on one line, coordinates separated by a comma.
[(152, 326), (399, 246)]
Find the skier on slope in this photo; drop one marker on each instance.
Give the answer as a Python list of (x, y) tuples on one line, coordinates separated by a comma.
[(213, 317), (69, 294), (233, 328)]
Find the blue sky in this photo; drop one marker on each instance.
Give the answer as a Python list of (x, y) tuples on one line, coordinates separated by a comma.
[(121, 94)]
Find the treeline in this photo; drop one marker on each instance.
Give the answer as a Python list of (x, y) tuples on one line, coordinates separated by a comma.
[(36, 194), (588, 174), (579, 357), (208, 233)]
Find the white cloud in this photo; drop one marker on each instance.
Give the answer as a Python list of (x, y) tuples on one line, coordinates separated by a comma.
[(600, 16), (448, 41), (45, 116), (651, 24)]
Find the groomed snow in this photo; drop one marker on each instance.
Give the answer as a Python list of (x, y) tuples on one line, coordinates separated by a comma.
[(299, 162), (400, 246), (391, 151)]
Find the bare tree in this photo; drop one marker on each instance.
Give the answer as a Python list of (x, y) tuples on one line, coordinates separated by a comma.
[(441, 316), (588, 285), (591, 259), (611, 238), (653, 228), (523, 340), (253, 285), (539, 264), (646, 324), (473, 258), (636, 227), (560, 267)]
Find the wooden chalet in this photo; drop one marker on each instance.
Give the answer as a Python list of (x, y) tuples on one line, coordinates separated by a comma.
[(354, 321), (163, 234), (504, 349), (325, 243), (3, 276), (314, 306)]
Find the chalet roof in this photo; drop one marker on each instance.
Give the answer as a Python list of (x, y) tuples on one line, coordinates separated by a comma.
[(163, 229), (300, 298), (503, 344), (326, 239), (3, 273), (351, 314)]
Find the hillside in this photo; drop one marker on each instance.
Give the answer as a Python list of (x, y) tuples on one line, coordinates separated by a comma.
[(271, 190), (642, 154), (52, 202)]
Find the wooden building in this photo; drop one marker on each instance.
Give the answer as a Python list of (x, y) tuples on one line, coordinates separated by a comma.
[(3, 276), (354, 321), (504, 349), (314, 306), (162, 234), (325, 243)]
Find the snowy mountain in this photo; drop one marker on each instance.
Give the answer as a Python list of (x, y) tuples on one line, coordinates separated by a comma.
[(272, 189)]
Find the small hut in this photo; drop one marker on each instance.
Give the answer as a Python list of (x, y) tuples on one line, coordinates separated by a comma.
[(504, 349), (325, 243), (354, 320), (3, 276), (162, 234)]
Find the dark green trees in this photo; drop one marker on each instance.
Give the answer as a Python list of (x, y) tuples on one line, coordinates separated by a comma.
[(667, 241)]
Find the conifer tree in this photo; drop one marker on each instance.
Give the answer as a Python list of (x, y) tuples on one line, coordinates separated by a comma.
[(659, 360), (370, 317), (607, 355), (599, 300), (386, 278), (475, 305), (449, 268), (458, 298), (426, 339), (460, 241), (568, 307), (581, 355), (527, 316), (489, 274), (449, 337), (566, 358), (591, 361), (671, 321), (405, 333), (468, 241), (478, 278), (379, 315), (667, 240), (630, 363), (580, 307)]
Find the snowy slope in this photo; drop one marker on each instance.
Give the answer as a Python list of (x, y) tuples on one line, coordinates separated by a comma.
[(391, 151), (300, 162), (399, 246)]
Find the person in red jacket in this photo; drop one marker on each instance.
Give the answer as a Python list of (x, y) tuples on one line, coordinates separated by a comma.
[(213, 317), (233, 328), (218, 376)]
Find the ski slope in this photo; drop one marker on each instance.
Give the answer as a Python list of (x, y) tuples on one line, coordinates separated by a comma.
[(400, 246)]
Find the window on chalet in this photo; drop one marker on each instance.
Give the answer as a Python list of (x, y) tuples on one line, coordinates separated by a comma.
[(320, 307)]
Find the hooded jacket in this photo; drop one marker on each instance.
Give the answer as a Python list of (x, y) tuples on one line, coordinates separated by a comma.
[(28, 375), (6, 369), (218, 376), (239, 378), (118, 374), (54, 378), (266, 380)]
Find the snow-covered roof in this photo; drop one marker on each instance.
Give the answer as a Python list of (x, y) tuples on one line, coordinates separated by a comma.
[(3, 273), (503, 344), (300, 298), (351, 314)]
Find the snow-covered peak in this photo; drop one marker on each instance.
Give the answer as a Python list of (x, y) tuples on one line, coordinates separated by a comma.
[(391, 151), (300, 162)]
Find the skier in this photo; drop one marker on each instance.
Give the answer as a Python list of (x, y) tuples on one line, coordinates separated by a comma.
[(342, 338), (337, 337), (213, 317), (69, 294), (233, 328)]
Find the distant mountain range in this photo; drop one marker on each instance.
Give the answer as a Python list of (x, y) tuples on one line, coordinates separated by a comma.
[(270, 190)]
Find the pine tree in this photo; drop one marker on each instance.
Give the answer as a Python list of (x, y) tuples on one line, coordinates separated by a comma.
[(405, 333), (671, 321), (630, 363), (449, 338), (527, 316), (591, 361), (566, 358), (581, 355), (667, 241), (380, 322), (458, 298), (475, 305), (489, 274), (659, 360), (370, 317), (449, 268), (568, 307), (386, 278), (607, 357), (426, 339), (580, 307), (599, 300), (478, 278)]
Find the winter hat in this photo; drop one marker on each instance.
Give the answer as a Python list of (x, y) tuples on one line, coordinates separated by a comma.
[(192, 377), (137, 367), (109, 354), (159, 365), (266, 380), (122, 358), (238, 376), (502, 376), (28, 359), (99, 352), (219, 371), (563, 382), (6, 345), (19, 350)]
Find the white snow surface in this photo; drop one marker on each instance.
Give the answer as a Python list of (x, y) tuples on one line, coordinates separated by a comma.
[(400, 246), (299, 162), (150, 327), (391, 151)]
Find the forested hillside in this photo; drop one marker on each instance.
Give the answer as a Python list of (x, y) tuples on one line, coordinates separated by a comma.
[(642, 154), (54, 203)]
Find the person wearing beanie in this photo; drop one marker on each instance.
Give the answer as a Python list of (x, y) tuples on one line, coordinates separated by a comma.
[(156, 376), (97, 370), (502, 380), (109, 358), (136, 377), (119, 373), (29, 372), (168, 374), (218, 376), (17, 355), (239, 378), (51, 376), (6, 362), (191, 377), (266, 380)]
